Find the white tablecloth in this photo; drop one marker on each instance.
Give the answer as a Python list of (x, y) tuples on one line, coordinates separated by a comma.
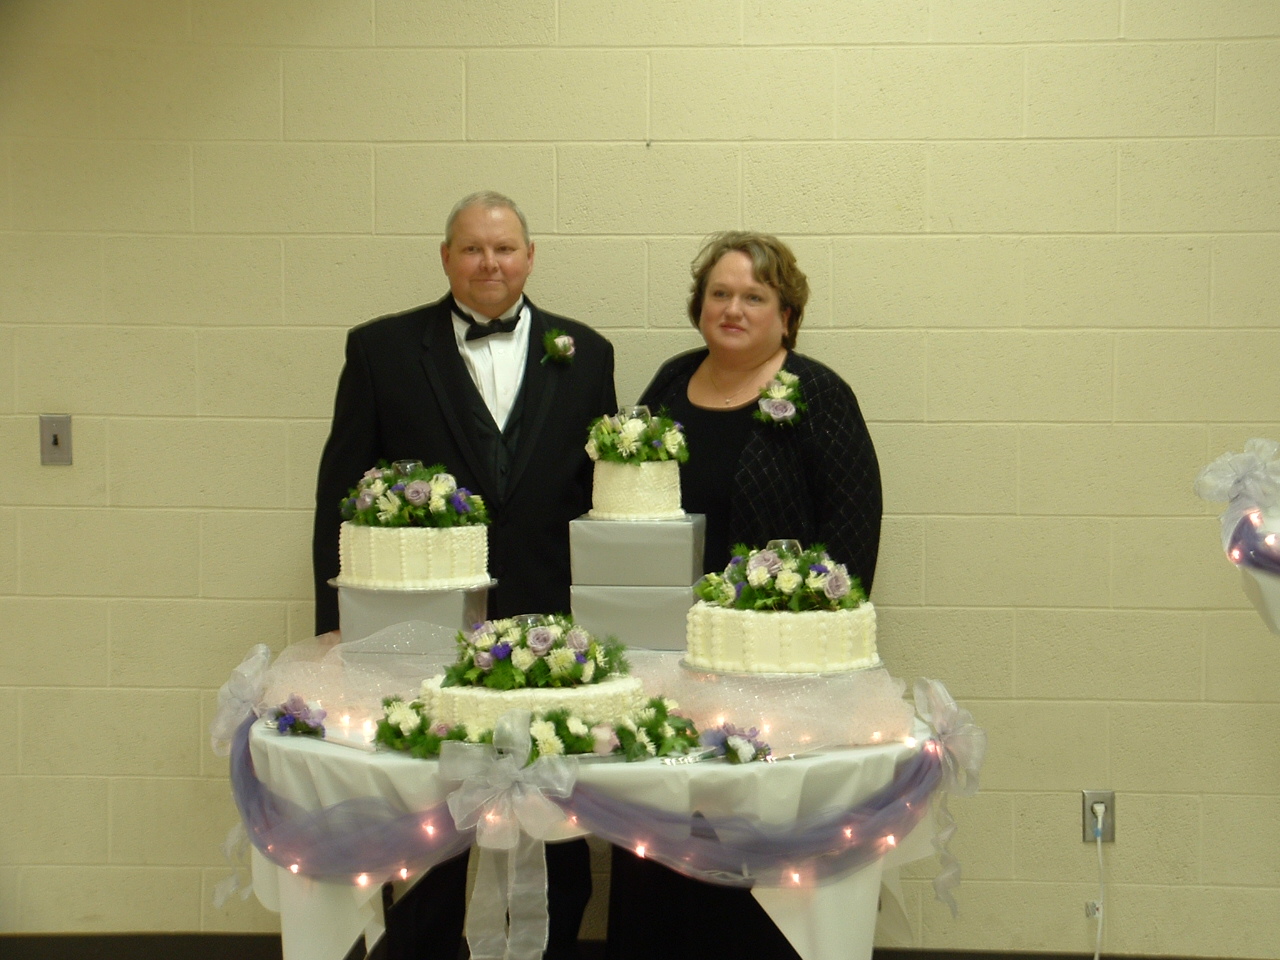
[(321, 919)]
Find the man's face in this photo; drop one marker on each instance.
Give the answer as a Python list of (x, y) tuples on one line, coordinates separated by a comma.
[(487, 262)]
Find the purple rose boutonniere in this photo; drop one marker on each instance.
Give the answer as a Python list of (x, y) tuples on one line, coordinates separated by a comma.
[(557, 346), (780, 401)]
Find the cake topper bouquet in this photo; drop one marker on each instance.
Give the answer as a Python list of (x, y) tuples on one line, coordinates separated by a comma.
[(636, 436), (534, 650), (407, 494), (782, 576), (1250, 484)]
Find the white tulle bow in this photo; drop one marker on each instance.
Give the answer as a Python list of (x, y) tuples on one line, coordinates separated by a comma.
[(506, 802), (239, 697), (1252, 477), (963, 745)]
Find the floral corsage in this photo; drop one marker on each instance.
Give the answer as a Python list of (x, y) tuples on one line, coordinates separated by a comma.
[(736, 746), (780, 401), (557, 346), (295, 716)]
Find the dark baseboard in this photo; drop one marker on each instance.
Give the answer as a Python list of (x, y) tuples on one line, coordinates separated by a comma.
[(263, 946)]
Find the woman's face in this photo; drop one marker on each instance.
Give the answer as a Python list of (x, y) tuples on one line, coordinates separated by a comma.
[(740, 315)]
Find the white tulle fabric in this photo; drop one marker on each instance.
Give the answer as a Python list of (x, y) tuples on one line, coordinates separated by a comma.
[(1246, 481)]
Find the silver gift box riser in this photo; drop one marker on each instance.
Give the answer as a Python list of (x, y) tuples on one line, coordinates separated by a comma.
[(650, 618), (363, 612), (637, 553)]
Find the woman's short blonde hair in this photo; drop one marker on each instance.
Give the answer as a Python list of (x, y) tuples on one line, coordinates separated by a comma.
[(772, 263)]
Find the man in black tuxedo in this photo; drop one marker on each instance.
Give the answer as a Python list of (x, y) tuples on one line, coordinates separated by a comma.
[(468, 382)]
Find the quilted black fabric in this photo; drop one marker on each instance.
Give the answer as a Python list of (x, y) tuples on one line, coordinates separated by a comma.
[(816, 481)]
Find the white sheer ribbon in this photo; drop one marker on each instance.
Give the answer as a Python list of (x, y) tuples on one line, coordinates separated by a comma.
[(239, 697), (1247, 481), (506, 802), (963, 745)]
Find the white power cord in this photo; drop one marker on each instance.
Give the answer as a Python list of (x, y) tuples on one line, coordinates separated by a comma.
[(1099, 811)]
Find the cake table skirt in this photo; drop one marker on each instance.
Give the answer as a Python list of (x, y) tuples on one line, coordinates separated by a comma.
[(320, 918)]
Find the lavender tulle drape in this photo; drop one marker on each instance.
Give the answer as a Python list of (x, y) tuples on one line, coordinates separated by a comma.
[(370, 836), (365, 835)]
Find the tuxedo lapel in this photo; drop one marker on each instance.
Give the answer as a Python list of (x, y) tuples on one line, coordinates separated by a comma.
[(455, 392), (537, 394)]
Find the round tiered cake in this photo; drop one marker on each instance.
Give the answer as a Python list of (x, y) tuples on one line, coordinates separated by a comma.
[(538, 663), (781, 610), (409, 527), (637, 466), (636, 491), (413, 558)]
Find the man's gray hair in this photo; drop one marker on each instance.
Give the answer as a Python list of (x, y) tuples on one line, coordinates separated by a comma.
[(488, 199)]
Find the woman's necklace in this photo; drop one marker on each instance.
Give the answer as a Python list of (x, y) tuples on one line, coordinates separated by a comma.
[(752, 385)]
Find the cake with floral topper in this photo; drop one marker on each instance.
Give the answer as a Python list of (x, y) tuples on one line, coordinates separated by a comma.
[(538, 662), (410, 527), (781, 609), (637, 466)]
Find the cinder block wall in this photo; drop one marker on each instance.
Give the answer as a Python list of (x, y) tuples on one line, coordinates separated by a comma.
[(1042, 239)]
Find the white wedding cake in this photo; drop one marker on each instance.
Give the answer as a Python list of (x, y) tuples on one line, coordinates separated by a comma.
[(781, 609), (637, 466), (754, 641), (413, 558), (410, 527), (636, 491), (610, 701)]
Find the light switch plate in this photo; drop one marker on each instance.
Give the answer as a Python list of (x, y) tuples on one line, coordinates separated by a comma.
[(55, 439)]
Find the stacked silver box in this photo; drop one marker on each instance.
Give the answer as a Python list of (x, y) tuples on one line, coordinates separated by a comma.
[(633, 579)]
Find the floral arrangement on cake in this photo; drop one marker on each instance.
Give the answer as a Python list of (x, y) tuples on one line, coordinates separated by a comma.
[(636, 438), (656, 731), (297, 717), (536, 650), (781, 576), (407, 494), (780, 400)]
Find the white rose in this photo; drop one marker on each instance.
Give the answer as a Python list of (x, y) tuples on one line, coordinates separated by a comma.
[(673, 440), (758, 576), (633, 428), (443, 484), (577, 727), (436, 504), (788, 580), (592, 450)]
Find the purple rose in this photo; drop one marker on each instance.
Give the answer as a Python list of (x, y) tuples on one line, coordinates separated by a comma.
[(500, 651), (417, 492), (484, 659), (540, 641), (837, 585), (577, 640), (778, 409), (767, 559), (441, 729), (365, 500)]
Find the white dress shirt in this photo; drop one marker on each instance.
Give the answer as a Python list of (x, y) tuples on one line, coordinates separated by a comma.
[(496, 362)]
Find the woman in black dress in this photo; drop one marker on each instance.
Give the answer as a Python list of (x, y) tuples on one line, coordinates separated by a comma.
[(794, 463)]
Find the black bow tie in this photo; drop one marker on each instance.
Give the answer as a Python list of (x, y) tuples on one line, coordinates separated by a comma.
[(478, 331)]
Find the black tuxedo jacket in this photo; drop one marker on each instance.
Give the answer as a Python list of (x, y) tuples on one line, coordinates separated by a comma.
[(405, 394)]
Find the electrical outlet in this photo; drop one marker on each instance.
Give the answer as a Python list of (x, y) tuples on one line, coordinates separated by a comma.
[(1088, 799)]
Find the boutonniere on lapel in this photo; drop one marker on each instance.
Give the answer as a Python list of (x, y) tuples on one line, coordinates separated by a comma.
[(557, 346), (780, 400)]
